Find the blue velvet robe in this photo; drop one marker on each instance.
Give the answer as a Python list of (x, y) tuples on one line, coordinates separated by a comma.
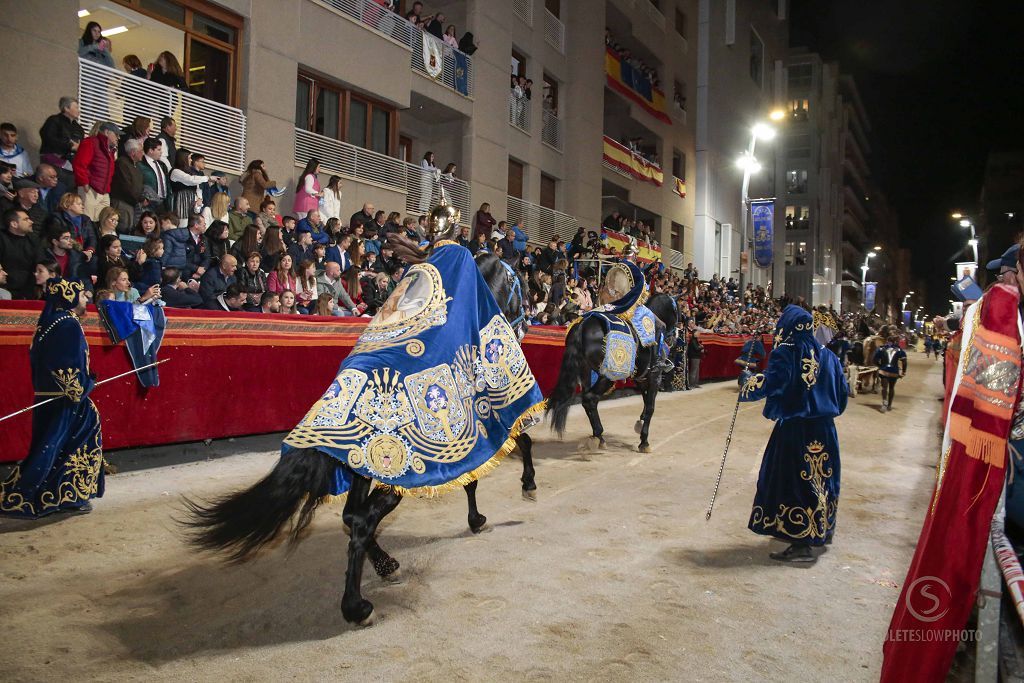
[(64, 467), (804, 389)]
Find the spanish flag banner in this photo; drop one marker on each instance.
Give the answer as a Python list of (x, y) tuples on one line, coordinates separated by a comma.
[(679, 187), (635, 165), (618, 241), (634, 86)]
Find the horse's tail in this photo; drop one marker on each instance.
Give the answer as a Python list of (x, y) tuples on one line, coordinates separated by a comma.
[(573, 364), (243, 523)]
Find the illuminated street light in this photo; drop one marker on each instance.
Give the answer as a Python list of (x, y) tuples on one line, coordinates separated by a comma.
[(965, 223), (763, 131), (748, 164), (957, 215), (777, 114)]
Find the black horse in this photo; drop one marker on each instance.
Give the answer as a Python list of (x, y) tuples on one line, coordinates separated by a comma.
[(243, 523), (584, 353)]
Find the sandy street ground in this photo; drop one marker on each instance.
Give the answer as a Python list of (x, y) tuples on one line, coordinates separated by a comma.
[(612, 574)]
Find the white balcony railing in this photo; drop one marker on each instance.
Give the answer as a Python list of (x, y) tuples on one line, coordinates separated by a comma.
[(452, 61), (423, 193), (675, 259), (524, 10), (539, 222), (551, 131), (615, 169), (355, 163), (350, 161), (554, 31), (378, 18), (519, 112), (211, 128)]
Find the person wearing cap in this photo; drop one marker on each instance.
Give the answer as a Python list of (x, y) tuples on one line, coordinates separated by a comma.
[(94, 168), (26, 198), (1006, 265)]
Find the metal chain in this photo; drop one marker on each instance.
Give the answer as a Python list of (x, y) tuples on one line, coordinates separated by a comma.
[(725, 454)]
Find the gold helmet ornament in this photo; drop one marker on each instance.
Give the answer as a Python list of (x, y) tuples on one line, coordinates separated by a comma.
[(443, 222)]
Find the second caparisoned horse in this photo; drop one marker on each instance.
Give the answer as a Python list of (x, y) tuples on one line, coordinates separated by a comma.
[(435, 392), (622, 340)]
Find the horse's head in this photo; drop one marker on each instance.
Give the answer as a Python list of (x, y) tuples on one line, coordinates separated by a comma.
[(507, 287)]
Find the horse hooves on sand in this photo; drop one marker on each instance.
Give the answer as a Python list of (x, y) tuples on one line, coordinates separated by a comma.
[(395, 578), (385, 567), (644, 448), (361, 613), (478, 524), (530, 495)]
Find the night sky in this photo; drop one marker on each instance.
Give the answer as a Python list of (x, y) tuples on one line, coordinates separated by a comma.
[(943, 85)]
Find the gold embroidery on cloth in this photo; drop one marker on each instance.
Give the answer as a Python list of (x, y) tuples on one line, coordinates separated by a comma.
[(388, 423), (418, 303), (66, 289), (79, 480), (804, 522), (753, 383), (70, 386), (810, 367)]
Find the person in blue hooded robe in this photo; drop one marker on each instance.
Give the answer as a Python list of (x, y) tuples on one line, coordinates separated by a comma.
[(64, 467), (804, 390)]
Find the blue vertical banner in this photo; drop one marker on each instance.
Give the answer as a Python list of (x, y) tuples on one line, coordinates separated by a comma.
[(906, 318), (869, 295), (461, 73), (762, 216)]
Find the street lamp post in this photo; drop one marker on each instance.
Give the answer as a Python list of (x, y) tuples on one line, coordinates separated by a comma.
[(864, 276), (750, 165), (966, 222)]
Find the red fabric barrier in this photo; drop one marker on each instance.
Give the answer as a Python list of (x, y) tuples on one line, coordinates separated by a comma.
[(232, 374), (721, 352)]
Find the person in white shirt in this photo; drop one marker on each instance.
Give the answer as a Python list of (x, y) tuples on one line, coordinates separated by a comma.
[(330, 206)]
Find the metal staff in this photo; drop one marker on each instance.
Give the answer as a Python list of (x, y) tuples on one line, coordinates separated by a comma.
[(725, 454), (109, 379)]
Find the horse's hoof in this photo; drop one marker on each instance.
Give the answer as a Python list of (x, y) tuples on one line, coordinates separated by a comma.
[(645, 448), (360, 613), (638, 426), (367, 622), (385, 566), (530, 495), (477, 524)]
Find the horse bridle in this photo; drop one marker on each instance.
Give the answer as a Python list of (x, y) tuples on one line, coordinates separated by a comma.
[(515, 287)]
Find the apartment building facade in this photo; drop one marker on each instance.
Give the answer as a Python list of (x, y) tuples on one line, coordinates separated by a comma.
[(368, 94)]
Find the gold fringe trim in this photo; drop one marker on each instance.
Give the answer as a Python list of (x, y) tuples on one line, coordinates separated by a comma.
[(469, 477)]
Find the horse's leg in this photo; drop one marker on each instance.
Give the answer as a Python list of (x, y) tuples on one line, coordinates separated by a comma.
[(476, 520), (590, 398), (525, 445), (650, 396), (362, 517)]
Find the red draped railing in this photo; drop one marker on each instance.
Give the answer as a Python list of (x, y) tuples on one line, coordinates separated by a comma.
[(231, 374)]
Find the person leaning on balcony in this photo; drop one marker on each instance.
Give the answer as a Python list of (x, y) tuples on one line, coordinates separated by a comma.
[(185, 198), (255, 182), (468, 43), (449, 37), (167, 71), (94, 47), (126, 189), (307, 190), (94, 168)]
